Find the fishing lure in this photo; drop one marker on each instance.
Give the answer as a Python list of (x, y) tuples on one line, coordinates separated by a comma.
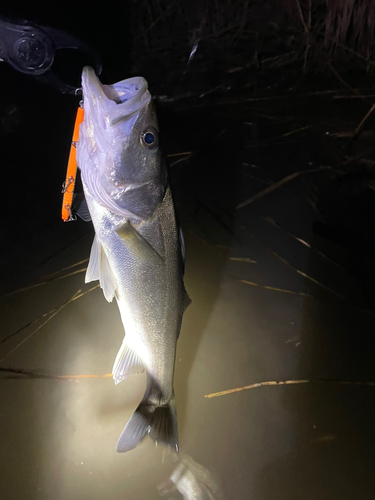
[(71, 172), (30, 49)]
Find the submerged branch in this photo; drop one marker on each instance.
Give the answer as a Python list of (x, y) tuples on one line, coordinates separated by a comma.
[(362, 123), (277, 184), (51, 314), (288, 382), (309, 295), (20, 374), (185, 158), (340, 79), (303, 242), (49, 280), (179, 154)]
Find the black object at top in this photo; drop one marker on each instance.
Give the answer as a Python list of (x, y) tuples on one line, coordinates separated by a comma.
[(30, 49)]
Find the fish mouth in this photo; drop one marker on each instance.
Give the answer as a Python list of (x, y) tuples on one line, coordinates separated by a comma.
[(120, 100)]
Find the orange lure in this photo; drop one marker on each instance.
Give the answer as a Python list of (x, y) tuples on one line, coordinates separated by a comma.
[(71, 173)]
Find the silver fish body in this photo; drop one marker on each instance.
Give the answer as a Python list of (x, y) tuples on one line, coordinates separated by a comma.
[(136, 253)]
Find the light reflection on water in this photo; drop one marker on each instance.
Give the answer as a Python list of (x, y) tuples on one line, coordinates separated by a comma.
[(190, 479)]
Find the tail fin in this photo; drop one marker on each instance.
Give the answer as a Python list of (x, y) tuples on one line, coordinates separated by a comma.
[(159, 422)]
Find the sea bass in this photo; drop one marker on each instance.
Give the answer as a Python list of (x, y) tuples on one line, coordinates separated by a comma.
[(137, 252)]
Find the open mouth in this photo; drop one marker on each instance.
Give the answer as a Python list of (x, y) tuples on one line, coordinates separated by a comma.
[(119, 100)]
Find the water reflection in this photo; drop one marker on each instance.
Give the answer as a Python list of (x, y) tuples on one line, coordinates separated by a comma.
[(190, 479)]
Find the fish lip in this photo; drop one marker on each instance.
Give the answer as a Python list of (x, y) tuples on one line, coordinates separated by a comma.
[(90, 82), (135, 88)]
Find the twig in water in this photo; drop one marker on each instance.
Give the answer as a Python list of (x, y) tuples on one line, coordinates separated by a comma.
[(49, 280), (162, 17), (179, 154), (303, 242), (254, 386), (340, 79), (357, 54), (243, 259), (211, 91), (284, 261), (49, 276), (275, 139), (185, 158), (277, 184), (301, 16), (65, 247), (362, 123), (277, 97), (74, 265), (307, 29), (219, 249), (282, 290), (309, 295), (19, 374), (27, 325), (358, 96), (346, 382), (301, 273), (293, 132), (52, 313), (219, 220), (287, 382)]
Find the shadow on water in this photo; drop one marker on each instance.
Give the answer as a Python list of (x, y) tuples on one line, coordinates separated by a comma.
[(331, 432), (207, 177)]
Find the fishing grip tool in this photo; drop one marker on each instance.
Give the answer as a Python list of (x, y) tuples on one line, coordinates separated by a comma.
[(30, 49)]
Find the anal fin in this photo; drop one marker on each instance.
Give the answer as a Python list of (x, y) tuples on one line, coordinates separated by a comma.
[(127, 363)]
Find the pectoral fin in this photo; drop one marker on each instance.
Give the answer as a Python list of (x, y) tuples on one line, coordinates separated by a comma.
[(137, 244), (99, 269), (83, 211)]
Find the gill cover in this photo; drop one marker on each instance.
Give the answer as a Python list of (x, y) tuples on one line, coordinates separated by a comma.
[(118, 151)]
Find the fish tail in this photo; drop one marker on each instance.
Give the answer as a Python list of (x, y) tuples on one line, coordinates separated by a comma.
[(159, 422)]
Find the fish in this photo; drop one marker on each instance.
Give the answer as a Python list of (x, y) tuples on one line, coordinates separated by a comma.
[(138, 250)]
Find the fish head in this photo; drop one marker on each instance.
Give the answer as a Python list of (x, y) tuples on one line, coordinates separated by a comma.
[(119, 153)]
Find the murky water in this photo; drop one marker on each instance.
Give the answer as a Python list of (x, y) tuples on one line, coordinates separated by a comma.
[(282, 310)]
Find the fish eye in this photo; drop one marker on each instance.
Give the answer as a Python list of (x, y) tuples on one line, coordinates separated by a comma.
[(149, 138)]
